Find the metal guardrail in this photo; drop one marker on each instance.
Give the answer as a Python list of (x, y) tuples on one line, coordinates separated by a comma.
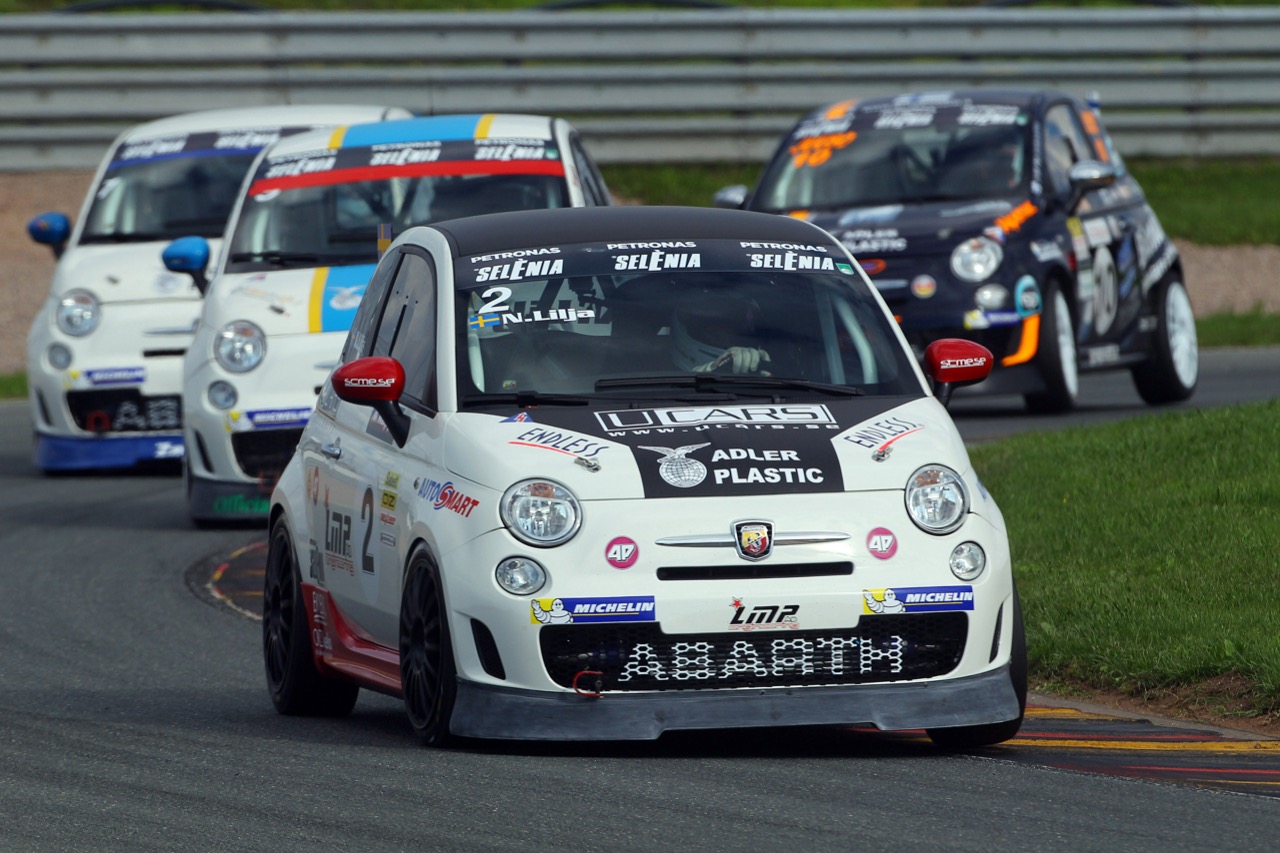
[(669, 85)]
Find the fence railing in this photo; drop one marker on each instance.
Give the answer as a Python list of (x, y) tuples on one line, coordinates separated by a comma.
[(669, 85)]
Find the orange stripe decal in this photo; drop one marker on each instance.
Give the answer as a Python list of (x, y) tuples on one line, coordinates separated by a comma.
[(1030, 342)]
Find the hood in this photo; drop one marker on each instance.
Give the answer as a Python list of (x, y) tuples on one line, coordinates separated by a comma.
[(289, 302), (708, 450), (122, 272), (926, 228)]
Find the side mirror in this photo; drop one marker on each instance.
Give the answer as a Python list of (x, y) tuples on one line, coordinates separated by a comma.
[(954, 362), (1089, 175), (189, 255), (377, 382), (51, 229), (732, 197)]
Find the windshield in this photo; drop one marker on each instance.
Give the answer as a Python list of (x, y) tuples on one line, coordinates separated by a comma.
[(887, 153), (164, 198), (325, 208), (715, 318)]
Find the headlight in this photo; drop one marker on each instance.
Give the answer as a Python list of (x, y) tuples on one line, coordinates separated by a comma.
[(240, 346), (976, 259), (540, 512), (78, 313), (520, 575), (936, 499)]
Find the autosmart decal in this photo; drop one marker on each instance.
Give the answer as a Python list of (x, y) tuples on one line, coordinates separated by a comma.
[(562, 442), (916, 599), (659, 421), (580, 611), (447, 496)]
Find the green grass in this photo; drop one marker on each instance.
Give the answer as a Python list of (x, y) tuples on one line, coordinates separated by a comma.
[(13, 385), (1251, 329), (1145, 551)]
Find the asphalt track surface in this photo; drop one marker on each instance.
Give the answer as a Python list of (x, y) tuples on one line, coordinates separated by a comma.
[(133, 717)]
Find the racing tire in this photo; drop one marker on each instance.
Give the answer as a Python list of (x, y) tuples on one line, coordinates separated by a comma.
[(971, 737), (1171, 373), (296, 687), (1057, 359), (428, 674)]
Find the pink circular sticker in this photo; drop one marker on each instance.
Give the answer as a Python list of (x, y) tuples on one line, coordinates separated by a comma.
[(622, 552), (882, 543)]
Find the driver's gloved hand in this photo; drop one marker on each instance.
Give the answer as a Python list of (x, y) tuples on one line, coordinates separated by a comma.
[(741, 359)]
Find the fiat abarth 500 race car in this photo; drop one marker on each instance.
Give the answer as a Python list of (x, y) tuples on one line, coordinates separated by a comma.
[(1001, 216), (104, 354), (301, 246), (598, 474)]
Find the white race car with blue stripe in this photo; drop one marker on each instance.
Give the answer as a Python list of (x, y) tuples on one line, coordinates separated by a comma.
[(299, 250)]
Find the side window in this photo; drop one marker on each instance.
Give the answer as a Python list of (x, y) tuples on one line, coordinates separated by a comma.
[(593, 185), (361, 337), (407, 332), (1064, 145)]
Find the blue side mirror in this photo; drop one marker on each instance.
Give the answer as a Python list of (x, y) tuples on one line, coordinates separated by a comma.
[(51, 229), (191, 256)]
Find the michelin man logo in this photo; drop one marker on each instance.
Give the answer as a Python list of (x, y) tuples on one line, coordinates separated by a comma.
[(557, 615), (890, 603), (676, 469)]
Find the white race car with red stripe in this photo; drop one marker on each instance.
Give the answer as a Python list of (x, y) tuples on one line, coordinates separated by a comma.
[(601, 474), (300, 248)]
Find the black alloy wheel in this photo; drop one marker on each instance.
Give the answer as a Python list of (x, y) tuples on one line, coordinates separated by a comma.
[(296, 688), (428, 674)]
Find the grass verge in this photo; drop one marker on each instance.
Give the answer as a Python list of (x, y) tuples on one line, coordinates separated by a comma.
[(1145, 551)]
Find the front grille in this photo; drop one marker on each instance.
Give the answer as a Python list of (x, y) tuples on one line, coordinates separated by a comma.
[(124, 410), (743, 571), (639, 656), (263, 453)]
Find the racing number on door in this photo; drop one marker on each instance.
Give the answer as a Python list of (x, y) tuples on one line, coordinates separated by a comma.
[(366, 515)]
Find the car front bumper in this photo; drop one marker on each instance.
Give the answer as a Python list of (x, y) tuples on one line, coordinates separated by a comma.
[(484, 711)]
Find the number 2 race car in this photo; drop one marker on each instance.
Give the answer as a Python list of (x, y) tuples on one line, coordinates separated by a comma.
[(601, 474)]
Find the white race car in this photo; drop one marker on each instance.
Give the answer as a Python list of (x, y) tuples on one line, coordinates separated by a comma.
[(301, 245), (603, 474), (104, 355)]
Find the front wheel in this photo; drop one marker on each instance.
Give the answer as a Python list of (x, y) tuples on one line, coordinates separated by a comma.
[(296, 688), (1171, 373), (970, 737), (428, 675), (1057, 359)]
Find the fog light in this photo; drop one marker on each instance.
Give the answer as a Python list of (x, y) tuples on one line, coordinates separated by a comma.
[(520, 575), (968, 560), (222, 395), (59, 357), (991, 297)]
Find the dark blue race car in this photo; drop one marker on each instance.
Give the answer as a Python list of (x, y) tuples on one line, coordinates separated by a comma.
[(1002, 216)]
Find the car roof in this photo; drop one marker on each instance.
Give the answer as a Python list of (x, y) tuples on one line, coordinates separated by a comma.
[(498, 232), (1022, 97), (442, 128), (286, 115)]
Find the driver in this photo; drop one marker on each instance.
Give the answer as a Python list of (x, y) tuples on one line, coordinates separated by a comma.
[(710, 330)]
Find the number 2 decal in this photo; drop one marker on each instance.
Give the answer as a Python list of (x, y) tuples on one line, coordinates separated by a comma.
[(498, 303), (366, 559)]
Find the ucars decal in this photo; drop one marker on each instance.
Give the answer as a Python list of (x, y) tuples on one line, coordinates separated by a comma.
[(620, 422), (579, 611), (916, 599)]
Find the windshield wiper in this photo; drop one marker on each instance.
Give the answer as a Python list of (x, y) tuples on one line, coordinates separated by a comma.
[(524, 399), (131, 237), (278, 259), (714, 383)]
